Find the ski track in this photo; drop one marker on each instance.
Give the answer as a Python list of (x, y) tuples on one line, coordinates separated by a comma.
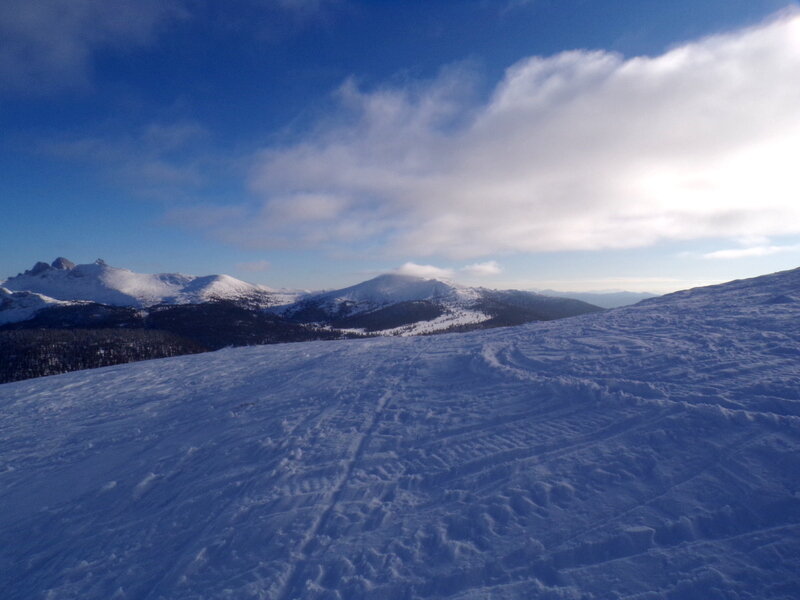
[(292, 579), (647, 453)]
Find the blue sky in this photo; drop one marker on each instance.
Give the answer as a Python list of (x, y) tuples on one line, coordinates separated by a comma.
[(570, 144)]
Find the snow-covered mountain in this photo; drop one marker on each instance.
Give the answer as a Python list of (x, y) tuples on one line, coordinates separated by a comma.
[(20, 306), (397, 304), (389, 288), (104, 284), (389, 304), (644, 453)]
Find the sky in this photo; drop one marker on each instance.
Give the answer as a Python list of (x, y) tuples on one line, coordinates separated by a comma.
[(573, 145)]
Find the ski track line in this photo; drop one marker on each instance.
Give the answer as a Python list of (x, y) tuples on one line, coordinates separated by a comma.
[(508, 358), (537, 454), (684, 544), (547, 411), (312, 420), (292, 577)]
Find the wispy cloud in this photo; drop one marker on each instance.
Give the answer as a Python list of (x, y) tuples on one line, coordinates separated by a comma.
[(491, 267), (47, 45), (158, 155), (270, 21), (50, 45), (582, 150), (484, 269), (753, 251), (427, 271)]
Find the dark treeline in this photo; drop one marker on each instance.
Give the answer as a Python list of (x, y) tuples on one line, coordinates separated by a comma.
[(396, 315), (28, 353), (63, 339), (83, 336)]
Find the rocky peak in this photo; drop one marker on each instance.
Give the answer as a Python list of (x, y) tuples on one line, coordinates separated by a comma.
[(63, 264), (39, 267)]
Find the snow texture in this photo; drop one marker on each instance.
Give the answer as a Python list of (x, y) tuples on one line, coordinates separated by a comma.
[(646, 453), (454, 317)]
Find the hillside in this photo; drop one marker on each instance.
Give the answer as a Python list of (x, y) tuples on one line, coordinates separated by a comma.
[(644, 453), (394, 304)]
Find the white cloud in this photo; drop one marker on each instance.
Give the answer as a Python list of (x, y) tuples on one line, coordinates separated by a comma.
[(753, 251), (582, 150), (426, 271), (491, 267), (483, 269), (47, 45)]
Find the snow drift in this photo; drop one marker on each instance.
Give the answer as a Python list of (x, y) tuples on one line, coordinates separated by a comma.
[(647, 453)]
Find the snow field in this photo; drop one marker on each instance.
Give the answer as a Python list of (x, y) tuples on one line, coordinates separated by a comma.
[(645, 453)]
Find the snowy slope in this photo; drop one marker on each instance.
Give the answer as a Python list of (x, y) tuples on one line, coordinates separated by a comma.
[(21, 306), (645, 453), (99, 282)]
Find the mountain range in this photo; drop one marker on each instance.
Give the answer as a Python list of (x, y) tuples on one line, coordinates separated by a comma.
[(103, 284), (390, 304), (215, 311)]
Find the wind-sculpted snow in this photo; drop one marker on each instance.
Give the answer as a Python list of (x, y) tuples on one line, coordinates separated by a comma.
[(650, 452)]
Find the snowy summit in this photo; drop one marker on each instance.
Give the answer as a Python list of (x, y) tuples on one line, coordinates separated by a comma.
[(390, 288)]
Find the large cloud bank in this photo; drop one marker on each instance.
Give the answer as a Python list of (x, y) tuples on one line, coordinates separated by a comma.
[(582, 150)]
